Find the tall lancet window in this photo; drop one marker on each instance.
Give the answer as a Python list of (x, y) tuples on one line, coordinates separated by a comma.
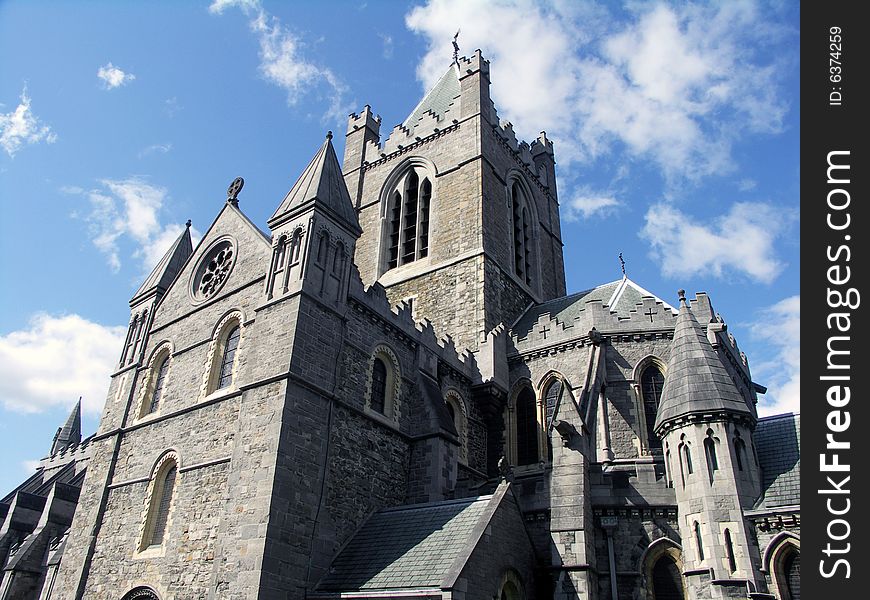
[(522, 234), (408, 219), (651, 383), (527, 427)]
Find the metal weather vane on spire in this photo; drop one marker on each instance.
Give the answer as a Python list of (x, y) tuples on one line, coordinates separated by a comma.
[(622, 263), (456, 46)]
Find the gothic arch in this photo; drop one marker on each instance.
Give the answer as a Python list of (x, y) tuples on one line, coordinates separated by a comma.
[(525, 230), (217, 351), (425, 170), (662, 549), (159, 364), (510, 587), (159, 502), (779, 557), (459, 412), (524, 424), (392, 385), (643, 405)]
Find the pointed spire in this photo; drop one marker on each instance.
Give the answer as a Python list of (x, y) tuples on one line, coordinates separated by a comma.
[(168, 267), (696, 381), (71, 433), (438, 99), (321, 182)]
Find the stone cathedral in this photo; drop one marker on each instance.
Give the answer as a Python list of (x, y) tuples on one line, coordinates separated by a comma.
[(387, 393)]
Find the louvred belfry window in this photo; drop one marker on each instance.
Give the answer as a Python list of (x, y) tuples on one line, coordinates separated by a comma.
[(522, 235), (408, 220)]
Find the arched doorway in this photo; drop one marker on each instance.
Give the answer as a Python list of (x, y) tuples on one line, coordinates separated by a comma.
[(782, 560), (667, 582)]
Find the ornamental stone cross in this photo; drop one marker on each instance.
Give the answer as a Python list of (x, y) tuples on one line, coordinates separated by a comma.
[(234, 189)]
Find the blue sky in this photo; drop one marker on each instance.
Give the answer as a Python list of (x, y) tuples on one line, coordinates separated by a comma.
[(676, 131)]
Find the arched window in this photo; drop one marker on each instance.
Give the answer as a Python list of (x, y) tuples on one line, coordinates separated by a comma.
[(160, 503), (552, 394), (382, 392), (522, 228), (456, 408), (669, 468), (338, 260), (157, 392), (729, 552), (408, 219), (126, 355), (322, 248), (792, 575), (710, 453), (527, 427), (228, 361), (699, 541), (687, 456), (667, 582), (379, 385), (739, 451), (651, 382)]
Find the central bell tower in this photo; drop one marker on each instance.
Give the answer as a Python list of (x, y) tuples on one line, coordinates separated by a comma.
[(459, 219)]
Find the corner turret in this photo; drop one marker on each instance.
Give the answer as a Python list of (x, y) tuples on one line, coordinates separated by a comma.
[(71, 432)]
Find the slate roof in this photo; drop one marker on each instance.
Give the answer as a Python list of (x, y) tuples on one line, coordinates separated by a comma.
[(406, 547), (621, 296), (71, 433), (777, 440), (697, 380), (321, 181), (169, 266), (438, 99)]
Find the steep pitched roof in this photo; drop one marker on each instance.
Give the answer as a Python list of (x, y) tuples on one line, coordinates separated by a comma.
[(697, 380), (777, 440), (168, 266), (321, 182), (621, 296), (71, 432), (407, 547), (438, 99)]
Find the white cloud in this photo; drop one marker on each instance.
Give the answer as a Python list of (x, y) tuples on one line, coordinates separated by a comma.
[(586, 204), (673, 84), (21, 127), (55, 360), (282, 61), (113, 76), (740, 241), (387, 42), (30, 466), (779, 327), (747, 185), (130, 208), (154, 148)]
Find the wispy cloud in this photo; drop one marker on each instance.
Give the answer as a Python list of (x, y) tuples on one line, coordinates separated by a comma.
[(130, 209), (155, 148), (586, 203), (282, 61), (29, 466), (674, 84), (738, 242), (387, 45), (56, 359), (113, 77), (171, 106), (779, 327), (21, 126)]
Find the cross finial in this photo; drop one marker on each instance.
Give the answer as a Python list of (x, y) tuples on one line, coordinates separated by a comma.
[(234, 189), (456, 47), (189, 223), (622, 263)]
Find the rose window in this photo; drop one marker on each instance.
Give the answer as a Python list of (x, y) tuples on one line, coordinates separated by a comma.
[(213, 270)]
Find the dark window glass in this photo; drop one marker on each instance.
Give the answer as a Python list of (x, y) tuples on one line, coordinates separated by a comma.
[(322, 248), (710, 452), (452, 412), (379, 385), (552, 397), (157, 394), (232, 344), (729, 551), (739, 452), (162, 515), (666, 579), (527, 428), (651, 383), (699, 541), (688, 454)]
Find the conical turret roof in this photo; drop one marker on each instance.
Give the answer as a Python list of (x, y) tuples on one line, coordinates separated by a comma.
[(168, 266), (322, 182), (71, 432), (697, 380)]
